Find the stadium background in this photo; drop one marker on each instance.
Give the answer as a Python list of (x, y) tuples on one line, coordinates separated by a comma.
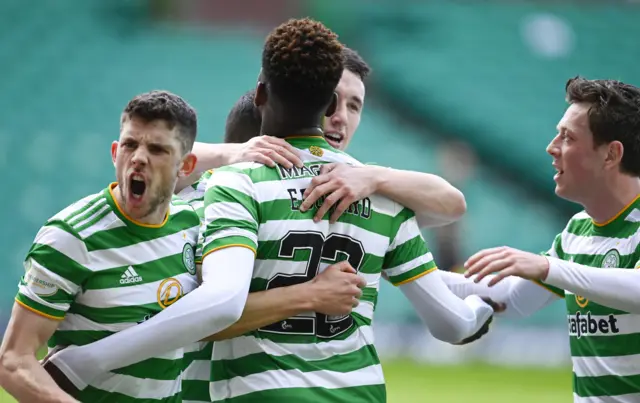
[(470, 90)]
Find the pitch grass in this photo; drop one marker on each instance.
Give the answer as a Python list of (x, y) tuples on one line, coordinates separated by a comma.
[(408, 382)]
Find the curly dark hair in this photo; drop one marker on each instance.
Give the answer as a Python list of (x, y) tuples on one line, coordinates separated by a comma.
[(614, 115), (302, 63), (355, 63), (163, 105), (244, 120)]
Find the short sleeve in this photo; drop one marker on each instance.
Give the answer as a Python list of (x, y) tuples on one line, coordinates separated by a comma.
[(407, 257), (230, 211), (55, 269), (554, 251)]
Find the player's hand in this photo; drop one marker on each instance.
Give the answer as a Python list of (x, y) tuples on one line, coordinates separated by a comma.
[(342, 184), (269, 151), (497, 307), (57, 375), (505, 261), (337, 290)]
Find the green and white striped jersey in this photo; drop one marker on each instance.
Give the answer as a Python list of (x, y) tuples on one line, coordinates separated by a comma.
[(604, 342), (310, 357), (99, 272), (197, 358)]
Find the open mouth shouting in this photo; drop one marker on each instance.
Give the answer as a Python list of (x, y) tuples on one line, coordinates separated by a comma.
[(137, 188), (559, 173), (334, 139)]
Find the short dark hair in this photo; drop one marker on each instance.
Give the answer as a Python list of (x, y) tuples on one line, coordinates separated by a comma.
[(302, 63), (244, 120), (355, 63), (614, 115), (163, 105)]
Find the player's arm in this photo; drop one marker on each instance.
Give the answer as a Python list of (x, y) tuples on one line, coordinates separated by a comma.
[(435, 201), (613, 287), (409, 265), (230, 240), (334, 292), (55, 268), (263, 149), (20, 372), (521, 297)]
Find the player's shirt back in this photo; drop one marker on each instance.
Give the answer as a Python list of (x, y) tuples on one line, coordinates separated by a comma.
[(100, 272), (197, 357), (310, 357), (605, 342)]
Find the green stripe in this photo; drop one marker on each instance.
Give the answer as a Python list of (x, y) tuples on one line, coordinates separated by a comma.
[(228, 241), (124, 236), (59, 263), (116, 314), (94, 220), (196, 391), (356, 394), (56, 313), (84, 208), (76, 337), (609, 385), (223, 194), (406, 252), (88, 212), (261, 362)]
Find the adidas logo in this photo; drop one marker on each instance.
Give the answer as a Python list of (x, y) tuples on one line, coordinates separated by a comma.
[(130, 276)]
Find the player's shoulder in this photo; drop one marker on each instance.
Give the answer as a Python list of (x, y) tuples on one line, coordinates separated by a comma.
[(182, 213), (64, 230)]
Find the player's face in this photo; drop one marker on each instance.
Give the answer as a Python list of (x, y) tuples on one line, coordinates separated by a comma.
[(580, 165), (340, 126), (148, 158)]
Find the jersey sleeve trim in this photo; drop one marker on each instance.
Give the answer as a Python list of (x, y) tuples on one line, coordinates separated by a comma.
[(26, 304), (551, 289), (232, 245), (417, 276)]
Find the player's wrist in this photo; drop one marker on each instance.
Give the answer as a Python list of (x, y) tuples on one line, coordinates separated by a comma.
[(304, 297), (379, 176)]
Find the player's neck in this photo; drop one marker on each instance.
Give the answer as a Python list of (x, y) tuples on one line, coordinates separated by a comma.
[(156, 217), (284, 126), (614, 197)]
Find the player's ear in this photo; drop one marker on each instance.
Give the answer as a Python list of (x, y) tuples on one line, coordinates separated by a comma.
[(615, 151), (114, 151), (261, 94), (332, 106), (188, 165)]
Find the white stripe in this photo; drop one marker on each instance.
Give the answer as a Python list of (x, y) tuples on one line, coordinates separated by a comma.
[(629, 398), (407, 231), (233, 180), (176, 208), (196, 346), (67, 211), (243, 346), (280, 379), (410, 265), (634, 216), (43, 273), (373, 243), (365, 309), (77, 322), (137, 387), (626, 324), (64, 243), (582, 215), (138, 294), (233, 211), (142, 252), (198, 370), (597, 245), (624, 365)]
